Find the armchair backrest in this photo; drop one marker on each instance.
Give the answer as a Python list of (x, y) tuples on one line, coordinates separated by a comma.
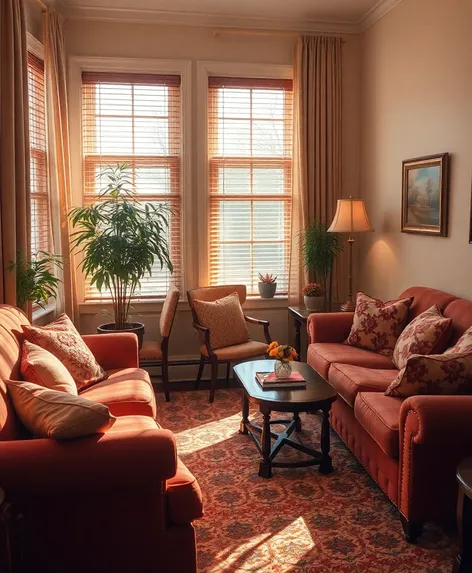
[(168, 311), (210, 294)]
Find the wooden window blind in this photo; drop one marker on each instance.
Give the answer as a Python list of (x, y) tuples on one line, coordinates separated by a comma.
[(250, 170), (40, 223), (136, 119)]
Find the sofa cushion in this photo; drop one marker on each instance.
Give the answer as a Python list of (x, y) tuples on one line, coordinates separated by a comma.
[(184, 497), (322, 354), (379, 415), (460, 312), (134, 424), (350, 380), (424, 298), (377, 325), (56, 414), (436, 375), (41, 367), (464, 344), (62, 339), (428, 333), (126, 392)]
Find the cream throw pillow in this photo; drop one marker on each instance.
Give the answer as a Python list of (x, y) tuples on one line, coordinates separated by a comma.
[(52, 414), (41, 367), (225, 319)]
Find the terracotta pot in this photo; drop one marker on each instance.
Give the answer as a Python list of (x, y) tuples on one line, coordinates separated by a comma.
[(267, 290), (314, 303), (136, 327)]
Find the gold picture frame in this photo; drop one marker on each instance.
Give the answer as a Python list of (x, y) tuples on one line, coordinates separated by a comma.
[(425, 195)]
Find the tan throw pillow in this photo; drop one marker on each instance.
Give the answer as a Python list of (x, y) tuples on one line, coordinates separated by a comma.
[(225, 319), (464, 344), (438, 374), (51, 414), (41, 367), (378, 325), (428, 333), (63, 340)]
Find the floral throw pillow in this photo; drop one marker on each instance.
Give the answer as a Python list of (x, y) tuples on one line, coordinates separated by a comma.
[(438, 374), (377, 325), (62, 339), (428, 333), (464, 344)]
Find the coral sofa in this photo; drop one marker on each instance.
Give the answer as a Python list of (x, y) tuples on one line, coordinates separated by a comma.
[(411, 447), (120, 501)]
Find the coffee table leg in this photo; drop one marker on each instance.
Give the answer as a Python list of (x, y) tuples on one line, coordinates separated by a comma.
[(298, 422), (242, 426), (265, 469), (326, 465)]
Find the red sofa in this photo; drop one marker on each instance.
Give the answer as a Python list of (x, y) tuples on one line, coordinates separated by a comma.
[(120, 501), (411, 447)]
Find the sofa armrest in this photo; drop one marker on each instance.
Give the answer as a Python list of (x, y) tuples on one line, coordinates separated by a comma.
[(103, 462), (435, 435), (114, 351), (329, 326)]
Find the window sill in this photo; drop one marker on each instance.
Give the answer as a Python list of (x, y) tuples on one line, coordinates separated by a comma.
[(41, 313), (155, 305)]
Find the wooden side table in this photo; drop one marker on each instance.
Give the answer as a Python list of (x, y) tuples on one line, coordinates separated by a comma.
[(463, 563)]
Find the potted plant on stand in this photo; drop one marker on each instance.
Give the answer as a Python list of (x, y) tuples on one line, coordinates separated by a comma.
[(267, 285), (36, 282), (120, 238), (320, 251)]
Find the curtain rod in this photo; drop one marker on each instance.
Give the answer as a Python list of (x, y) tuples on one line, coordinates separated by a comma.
[(260, 32)]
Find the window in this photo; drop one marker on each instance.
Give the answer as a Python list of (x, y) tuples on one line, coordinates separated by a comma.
[(135, 119), (250, 167), (40, 227)]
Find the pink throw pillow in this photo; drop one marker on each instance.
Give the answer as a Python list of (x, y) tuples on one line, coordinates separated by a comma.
[(377, 325), (428, 333), (62, 339), (438, 374)]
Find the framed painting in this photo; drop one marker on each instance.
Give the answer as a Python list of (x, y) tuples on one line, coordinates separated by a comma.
[(425, 195)]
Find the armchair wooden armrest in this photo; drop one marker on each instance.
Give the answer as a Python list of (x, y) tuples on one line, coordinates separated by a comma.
[(264, 323), (206, 333)]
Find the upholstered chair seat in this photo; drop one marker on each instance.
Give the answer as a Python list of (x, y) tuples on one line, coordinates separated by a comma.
[(238, 351)]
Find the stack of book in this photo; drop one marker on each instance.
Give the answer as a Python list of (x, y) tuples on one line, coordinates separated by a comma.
[(268, 381)]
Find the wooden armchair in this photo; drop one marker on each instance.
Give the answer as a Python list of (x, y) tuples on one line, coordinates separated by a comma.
[(235, 353), (154, 354)]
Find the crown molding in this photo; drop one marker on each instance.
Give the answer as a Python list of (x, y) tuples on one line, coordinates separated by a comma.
[(381, 9), (205, 20), (175, 18)]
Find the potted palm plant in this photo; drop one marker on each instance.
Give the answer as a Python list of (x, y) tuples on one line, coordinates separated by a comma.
[(120, 238), (36, 282), (320, 251)]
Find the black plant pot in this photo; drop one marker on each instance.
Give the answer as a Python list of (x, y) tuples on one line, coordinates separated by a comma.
[(136, 327)]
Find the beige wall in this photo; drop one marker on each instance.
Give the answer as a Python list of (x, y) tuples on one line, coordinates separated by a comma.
[(199, 44), (416, 100)]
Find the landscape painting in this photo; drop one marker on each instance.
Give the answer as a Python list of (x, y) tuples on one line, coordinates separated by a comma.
[(425, 195)]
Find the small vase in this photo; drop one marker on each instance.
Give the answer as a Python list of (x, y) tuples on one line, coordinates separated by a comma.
[(282, 369), (267, 290)]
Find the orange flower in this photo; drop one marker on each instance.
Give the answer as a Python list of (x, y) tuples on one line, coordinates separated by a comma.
[(273, 345)]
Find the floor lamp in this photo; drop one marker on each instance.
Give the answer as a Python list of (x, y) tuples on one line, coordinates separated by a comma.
[(350, 217)]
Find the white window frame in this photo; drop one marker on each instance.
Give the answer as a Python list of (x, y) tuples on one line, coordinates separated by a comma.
[(204, 71), (79, 64)]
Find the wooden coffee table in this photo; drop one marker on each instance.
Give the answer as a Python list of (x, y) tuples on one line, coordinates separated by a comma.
[(318, 395)]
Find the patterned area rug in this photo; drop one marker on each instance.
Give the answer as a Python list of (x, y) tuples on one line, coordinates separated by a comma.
[(298, 521)]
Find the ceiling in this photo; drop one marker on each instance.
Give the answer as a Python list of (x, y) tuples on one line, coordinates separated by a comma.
[(349, 16)]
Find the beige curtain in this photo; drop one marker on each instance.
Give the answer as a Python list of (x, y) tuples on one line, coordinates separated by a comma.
[(317, 142), (14, 144), (59, 154)]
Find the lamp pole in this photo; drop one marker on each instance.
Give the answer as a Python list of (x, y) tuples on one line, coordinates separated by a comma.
[(349, 305)]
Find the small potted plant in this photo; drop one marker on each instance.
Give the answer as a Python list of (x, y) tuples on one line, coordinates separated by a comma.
[(284, 355), (36, 282), (267, 285), (313, 295)]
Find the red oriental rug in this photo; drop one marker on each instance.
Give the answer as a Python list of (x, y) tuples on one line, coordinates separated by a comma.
[(299, 521)]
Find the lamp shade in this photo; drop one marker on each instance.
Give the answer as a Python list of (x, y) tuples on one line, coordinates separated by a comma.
[(350, 217)]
